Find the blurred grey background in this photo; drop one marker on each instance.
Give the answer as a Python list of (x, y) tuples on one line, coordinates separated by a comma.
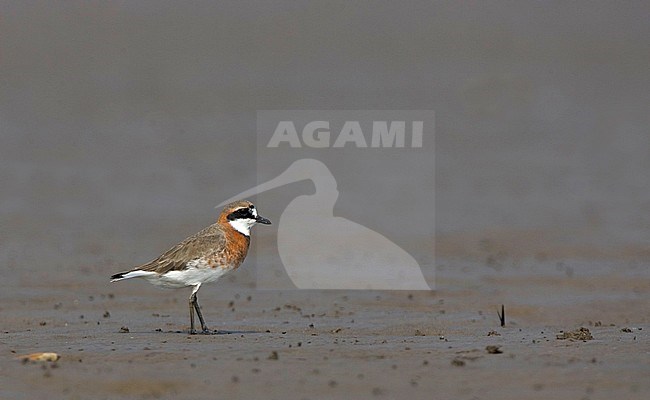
[(124, 123)]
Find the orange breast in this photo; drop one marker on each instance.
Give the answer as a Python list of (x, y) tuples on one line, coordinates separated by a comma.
[(235, 251)]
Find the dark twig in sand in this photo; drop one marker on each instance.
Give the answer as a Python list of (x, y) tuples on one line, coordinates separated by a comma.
[(502, 315)]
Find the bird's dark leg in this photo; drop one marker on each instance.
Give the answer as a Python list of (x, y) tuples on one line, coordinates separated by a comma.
[(198, 312), (192, 298), (194, 305)]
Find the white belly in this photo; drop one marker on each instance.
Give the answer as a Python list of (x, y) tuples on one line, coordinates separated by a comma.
[(189, 277)]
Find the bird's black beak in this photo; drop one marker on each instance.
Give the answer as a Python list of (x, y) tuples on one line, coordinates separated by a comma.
[(262, 220)]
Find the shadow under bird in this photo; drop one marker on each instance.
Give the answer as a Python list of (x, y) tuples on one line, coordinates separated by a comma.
[(203, 257)]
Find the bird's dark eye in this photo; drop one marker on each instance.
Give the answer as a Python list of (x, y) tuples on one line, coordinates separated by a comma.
[(251, 206)]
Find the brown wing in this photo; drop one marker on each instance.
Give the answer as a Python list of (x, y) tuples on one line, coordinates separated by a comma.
[(204, 244)]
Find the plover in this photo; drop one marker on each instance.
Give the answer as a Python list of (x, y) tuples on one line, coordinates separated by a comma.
[(203, 257)]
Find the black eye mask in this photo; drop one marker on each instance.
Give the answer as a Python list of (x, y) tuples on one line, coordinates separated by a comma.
[(242, 213)]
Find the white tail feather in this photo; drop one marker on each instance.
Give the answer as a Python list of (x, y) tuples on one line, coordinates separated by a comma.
[(131, 274)]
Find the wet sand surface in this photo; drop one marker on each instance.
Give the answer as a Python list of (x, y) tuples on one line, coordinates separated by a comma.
[(327, 344), (123, 124)]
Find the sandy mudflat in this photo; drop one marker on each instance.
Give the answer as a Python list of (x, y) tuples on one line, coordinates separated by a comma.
[(123, 124), (308, 344)]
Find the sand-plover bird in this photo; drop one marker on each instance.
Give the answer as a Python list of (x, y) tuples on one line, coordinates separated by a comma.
[(203, 257)]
